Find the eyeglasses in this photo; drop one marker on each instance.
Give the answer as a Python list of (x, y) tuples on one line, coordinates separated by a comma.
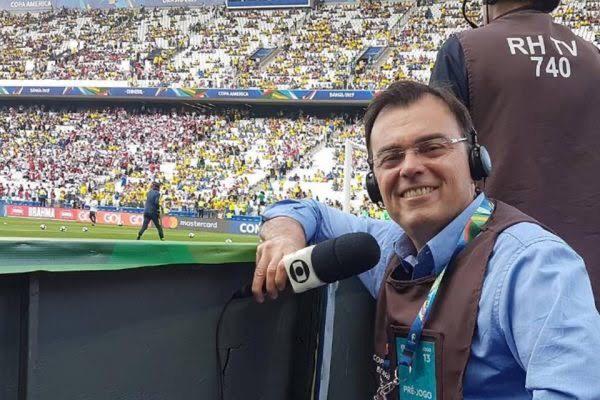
[(430, 149)]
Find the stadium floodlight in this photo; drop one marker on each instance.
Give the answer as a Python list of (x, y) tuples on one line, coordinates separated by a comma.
[(349, 146)]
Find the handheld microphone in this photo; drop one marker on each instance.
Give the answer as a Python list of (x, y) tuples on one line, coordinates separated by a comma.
[(329, 261)]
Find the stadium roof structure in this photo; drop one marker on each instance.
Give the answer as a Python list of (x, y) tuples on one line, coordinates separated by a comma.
[(21, 255)]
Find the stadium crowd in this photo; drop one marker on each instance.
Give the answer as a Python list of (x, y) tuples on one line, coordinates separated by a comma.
[(209, 161), (226, 162), (211, 46), (321, 54)]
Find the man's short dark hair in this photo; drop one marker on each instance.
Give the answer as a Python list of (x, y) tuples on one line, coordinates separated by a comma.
[(403, 94)]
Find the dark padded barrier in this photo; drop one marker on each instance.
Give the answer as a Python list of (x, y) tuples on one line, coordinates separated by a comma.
[(352, 374), (149, 334), (11, 292)]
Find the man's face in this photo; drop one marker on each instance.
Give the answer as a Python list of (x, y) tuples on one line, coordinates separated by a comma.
[(421, 193)]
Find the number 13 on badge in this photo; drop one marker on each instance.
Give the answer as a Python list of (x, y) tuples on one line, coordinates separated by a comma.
[(420, 382)]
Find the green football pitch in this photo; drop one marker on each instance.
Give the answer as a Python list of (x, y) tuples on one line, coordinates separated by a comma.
[(30, 228)]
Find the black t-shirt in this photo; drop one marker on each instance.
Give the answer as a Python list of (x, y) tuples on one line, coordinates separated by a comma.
[(450, 70), (152, 204)]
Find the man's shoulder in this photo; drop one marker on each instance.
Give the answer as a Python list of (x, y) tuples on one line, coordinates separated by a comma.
[(523, 234), (514, 225), (451, 46), (480, 33), (529, 240), (518, 232), (526, 252)]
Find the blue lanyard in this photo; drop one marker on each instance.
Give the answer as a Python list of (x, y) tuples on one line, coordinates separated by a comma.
[(472, 229)]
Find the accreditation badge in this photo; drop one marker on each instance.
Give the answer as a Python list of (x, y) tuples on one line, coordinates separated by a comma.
[(422, 381)]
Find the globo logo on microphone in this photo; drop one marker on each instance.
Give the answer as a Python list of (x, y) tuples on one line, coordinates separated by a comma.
[(331, 261), (299, 271)]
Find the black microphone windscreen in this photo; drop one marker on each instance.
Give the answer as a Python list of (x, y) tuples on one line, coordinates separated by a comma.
[(345, 256)]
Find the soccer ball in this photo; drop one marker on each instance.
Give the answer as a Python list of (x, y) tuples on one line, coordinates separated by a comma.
[(63, 228), (191, 235), (85, 229), (228, 240), (120, 223), (43, 227)]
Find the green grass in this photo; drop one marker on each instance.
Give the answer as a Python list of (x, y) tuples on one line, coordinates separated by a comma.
[(30, 228)]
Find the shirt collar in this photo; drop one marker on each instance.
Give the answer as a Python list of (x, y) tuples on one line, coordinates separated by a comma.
[(439, 250)]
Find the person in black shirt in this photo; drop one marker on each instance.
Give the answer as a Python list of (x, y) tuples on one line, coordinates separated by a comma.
[(450, 69), (152, 211), (531, 87)]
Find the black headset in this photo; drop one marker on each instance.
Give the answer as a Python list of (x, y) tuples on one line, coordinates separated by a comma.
[(480, 165)]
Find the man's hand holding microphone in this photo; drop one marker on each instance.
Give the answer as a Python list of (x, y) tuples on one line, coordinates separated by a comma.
[(279, 237), (283, 255)]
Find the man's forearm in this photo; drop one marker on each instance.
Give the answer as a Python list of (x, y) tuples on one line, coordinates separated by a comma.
[(280, 236), (282, 227)]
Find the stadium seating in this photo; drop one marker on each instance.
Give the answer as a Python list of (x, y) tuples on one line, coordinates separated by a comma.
[(227, 161), (211, 46), (210, 161)]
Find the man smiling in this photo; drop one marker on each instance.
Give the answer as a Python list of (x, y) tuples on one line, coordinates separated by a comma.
[(475, 299), (422, 190)]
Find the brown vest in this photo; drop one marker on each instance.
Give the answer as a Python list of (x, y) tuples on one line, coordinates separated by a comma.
[(543, 132), (453, 319)]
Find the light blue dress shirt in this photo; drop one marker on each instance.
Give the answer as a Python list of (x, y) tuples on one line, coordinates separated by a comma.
[(538, 330)]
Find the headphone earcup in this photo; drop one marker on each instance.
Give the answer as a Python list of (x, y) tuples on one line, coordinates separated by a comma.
[(480, 163), (373, 188)]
